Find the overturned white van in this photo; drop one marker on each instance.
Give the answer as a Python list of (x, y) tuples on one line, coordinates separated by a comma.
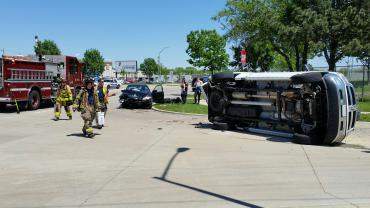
[(310, 107)]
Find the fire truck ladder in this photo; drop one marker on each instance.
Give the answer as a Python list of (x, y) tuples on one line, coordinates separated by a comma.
[(30, 75)]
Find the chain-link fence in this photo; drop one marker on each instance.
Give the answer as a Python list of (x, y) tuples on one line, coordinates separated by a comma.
[(358, 75)]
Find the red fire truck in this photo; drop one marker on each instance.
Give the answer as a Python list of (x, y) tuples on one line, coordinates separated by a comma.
[(29, 80)]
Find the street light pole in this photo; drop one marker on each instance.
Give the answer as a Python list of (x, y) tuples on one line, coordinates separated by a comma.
[(159, 61)]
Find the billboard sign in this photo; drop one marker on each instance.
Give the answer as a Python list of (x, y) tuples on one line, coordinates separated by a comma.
[(127, 66)]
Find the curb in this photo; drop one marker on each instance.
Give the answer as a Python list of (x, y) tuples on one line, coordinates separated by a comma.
[(179, 113)]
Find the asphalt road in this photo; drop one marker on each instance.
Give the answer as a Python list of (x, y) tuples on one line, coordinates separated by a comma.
[(144, 158)]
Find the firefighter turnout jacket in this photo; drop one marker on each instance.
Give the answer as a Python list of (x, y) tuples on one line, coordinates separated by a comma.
[(64, 95), (103, 94), (86, 102)]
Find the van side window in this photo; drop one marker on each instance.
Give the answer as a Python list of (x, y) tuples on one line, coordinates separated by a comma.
[(353, 96), (349, 96)]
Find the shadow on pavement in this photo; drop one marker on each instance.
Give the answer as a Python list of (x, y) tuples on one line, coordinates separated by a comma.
[(60, 119), (81, 135), (201, 125), (13, 109), (278, 139), (226, 198)]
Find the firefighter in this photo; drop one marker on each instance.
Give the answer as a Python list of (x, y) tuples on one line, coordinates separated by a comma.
[(64, 99), (103, 100), (87, 102)]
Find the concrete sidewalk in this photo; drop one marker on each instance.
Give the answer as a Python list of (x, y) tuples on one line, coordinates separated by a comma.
[(148, 159)]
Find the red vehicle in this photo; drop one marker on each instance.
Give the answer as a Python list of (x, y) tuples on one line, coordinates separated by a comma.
[(29, 81)]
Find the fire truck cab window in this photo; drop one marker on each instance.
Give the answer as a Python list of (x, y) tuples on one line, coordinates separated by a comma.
[(73, 67)]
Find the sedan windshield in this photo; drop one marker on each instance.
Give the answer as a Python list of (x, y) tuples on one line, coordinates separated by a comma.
[(141, 88)]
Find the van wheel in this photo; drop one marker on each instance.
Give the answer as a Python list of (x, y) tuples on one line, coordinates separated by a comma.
[(34, 100), (216, 102), (306, 139), (221, 126)]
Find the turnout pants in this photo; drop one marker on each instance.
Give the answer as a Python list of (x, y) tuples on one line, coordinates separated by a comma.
[(88, 118), (58, 109)]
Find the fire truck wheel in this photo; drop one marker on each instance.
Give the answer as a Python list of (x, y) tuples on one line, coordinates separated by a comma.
[(34, 100), (2, 106)]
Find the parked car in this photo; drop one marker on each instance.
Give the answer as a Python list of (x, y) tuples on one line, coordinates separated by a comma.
[(130, 81), (121, 81), (139, 95), (309, 107), (111, 83)]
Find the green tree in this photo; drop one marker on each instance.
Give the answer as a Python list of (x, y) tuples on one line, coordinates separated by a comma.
[(207, 49), (268, 26), (257, 56), (298, 29), (179, 71), (123, 73), (360, 46), (149, 67), (347, 29), (94, 62), (165, 71), (46, 47)]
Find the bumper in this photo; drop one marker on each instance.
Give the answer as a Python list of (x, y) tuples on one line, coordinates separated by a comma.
[(136, 102), (5, 100)]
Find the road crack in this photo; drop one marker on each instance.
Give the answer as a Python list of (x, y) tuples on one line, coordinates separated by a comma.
[(321, 184), (125, 169)]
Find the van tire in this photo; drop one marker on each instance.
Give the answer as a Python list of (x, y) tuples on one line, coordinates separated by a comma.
[(306, 139), (220, 126)]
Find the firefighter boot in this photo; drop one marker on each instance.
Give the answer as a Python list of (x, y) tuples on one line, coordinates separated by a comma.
[(69, 114), (57, 111), (90, 133), (84, 132), (57, 115)]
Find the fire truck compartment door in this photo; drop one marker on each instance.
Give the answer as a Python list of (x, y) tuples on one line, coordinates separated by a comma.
[(1, 74)]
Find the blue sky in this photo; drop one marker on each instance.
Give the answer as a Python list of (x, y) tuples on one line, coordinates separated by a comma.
[(121, 30)]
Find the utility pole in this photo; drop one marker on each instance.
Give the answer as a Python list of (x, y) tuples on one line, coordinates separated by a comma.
[(159, 61)]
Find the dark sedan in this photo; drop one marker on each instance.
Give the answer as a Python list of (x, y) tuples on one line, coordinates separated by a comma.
[(139, 95)]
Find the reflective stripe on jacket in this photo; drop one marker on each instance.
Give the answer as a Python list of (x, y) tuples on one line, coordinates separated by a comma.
[(64, 94), (105, 92), (82, 101)]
